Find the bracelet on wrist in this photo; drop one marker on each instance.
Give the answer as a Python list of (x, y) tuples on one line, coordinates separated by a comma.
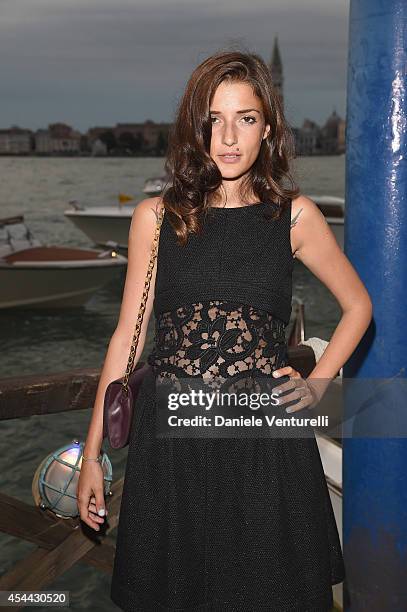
[(98, 459)]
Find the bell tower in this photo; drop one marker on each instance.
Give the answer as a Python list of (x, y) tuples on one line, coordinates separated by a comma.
[(276, 69)]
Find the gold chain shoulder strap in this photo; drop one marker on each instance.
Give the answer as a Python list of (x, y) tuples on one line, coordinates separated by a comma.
[(140, 315)]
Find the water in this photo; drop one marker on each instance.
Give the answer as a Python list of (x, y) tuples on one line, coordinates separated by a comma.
[(40, 342)]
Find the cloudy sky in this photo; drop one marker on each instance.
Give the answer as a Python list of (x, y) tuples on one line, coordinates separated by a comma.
[(100, 62)]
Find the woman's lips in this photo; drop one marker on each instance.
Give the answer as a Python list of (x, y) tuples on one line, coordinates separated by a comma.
[(230, 159)]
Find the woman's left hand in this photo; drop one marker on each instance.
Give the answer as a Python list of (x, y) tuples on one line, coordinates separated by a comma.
[(300, 388)]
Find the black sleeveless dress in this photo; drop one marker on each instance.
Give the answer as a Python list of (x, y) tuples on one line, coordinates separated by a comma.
[(223, 524)]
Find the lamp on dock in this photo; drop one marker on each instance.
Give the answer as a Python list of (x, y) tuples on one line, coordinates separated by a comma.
[(56, 478)]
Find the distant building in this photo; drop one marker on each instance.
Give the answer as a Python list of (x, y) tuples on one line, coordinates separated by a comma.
[(342, 136), (311, 139), (94, 133), (58, 138), (147, 137), (16, 141), (276, 69), (307, 138), (330, 133), (149, 132)]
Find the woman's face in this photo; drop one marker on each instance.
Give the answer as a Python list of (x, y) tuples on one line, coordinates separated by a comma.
[(238, 128)]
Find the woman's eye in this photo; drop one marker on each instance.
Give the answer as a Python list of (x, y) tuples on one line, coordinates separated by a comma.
[(253, 119), (250, 119)]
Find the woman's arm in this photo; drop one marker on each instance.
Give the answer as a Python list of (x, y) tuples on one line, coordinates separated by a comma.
[(314, 243), (140, 241)]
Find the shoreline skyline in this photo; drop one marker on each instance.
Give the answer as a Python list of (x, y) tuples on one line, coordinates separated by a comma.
[(93, 63)]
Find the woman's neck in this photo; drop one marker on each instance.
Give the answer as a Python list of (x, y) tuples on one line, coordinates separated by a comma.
[(230, 201)]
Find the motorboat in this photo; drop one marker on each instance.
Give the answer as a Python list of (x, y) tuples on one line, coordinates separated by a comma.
[(35, 275), (155, 185), (103, 224)]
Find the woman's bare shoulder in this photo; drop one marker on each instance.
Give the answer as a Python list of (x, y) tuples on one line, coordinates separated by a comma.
[(148, 209), (308, 221), (143, 223), (303, 207), (309, 226), (144, 217)]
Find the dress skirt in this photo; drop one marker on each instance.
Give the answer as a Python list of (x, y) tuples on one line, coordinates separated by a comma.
[(223, 524)]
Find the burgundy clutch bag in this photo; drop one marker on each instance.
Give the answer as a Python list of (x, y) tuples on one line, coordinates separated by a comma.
[(119, 405), (121, 394)]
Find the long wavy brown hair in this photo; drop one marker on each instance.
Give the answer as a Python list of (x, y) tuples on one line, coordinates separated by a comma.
[(193, 175)]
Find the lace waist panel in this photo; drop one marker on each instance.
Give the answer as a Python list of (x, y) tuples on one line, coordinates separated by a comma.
[(218, 340)]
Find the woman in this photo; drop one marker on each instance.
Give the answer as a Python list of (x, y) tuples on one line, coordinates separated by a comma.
[(211, 523)]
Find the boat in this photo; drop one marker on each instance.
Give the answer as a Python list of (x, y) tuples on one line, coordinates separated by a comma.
[(35, 275), (103, 224), (155, 185)]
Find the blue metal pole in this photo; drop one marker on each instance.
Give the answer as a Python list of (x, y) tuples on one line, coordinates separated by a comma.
[(375, 469)]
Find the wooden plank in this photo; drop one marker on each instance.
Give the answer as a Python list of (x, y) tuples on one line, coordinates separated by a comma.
[(35, 557), (43, 528), (28, 395), (41, 567), (68, 545), (22, 396)]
